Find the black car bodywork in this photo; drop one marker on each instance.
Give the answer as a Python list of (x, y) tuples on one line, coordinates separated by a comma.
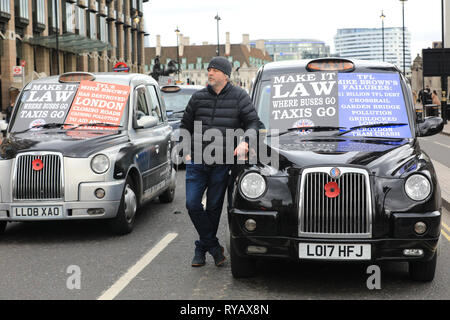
[(295, 217)]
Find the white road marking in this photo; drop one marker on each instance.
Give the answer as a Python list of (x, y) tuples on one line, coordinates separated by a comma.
[(120, 284), (441, 144)]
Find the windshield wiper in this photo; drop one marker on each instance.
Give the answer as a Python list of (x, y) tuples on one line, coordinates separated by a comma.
[(314, 128), (376, 125), (97, 124), (46, 126)]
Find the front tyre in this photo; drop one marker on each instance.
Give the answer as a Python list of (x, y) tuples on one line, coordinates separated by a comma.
[(169, 195), (423, 270), (241, 267), (123, 223), (2, 227)]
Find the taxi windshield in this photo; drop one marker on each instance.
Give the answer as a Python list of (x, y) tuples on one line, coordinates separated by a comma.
[(353, 104), (51, 105)]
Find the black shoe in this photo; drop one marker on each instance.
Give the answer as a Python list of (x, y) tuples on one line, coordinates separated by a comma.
[(217, 253), (199, 259)]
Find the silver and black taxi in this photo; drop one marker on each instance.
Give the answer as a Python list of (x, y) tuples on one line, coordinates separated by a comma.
[(86, 146), (347, 179)]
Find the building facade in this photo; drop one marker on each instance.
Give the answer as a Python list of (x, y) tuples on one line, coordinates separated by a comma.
[(367, 44), (293, 49), (194, 59), (51, 37)]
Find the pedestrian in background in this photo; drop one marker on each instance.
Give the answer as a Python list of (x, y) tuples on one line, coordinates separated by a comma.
[(219, 106), (415, 97), (13, 94), (435, 98)]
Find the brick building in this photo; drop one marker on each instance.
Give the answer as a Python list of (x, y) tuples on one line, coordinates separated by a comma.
[(83, 35), (194, 59)]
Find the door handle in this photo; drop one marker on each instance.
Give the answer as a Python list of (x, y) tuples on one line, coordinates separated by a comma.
[(157, 149)]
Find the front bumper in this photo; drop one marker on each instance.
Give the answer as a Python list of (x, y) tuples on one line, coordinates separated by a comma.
[(87, 206), (390, 247), (70, 211)]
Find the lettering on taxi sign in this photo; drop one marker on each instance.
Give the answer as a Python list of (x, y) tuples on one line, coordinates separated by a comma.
[(98, 102)]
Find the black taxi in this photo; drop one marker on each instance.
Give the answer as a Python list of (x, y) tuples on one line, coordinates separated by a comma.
[(86, 146), (347, 179)]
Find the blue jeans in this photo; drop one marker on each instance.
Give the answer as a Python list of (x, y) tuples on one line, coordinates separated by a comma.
[(206, 221)]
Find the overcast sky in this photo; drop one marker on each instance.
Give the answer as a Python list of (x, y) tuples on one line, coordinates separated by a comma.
[(282, 19)]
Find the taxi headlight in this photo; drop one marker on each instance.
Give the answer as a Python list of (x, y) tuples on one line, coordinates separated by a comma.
[(417, 187), (253, 185), (100, 164)]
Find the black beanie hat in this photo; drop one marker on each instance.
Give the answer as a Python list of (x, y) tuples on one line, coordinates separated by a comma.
[(222, 64)]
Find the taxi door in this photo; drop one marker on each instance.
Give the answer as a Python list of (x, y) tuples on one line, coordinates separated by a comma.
[(149, 144)]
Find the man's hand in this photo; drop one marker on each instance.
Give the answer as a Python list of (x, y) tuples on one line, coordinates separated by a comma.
[(188, 158), (242, 151)]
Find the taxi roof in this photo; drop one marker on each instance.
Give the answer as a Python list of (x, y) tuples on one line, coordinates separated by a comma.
[(108, 77), (290, 66)]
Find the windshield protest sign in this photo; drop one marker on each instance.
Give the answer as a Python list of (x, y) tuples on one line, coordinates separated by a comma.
[(43, 104), (339, 100), (98, 102)]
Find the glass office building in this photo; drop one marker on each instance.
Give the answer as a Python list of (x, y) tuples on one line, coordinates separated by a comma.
[(293, 49), (367, 44)]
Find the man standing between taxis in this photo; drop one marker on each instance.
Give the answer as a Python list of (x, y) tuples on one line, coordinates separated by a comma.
[(219, 106)]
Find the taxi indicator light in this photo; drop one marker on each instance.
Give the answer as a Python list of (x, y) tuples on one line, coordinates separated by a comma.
[(37, 164), (76, 77), (170, 89), (331, 65)]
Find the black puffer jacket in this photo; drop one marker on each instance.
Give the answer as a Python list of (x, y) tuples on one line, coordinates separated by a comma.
[(231, 109)]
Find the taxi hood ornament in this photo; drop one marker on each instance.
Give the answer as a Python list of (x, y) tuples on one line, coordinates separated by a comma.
[(335, 173)]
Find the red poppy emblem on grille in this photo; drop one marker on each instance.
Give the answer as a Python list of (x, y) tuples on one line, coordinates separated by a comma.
[(38, 165), (332, 190)]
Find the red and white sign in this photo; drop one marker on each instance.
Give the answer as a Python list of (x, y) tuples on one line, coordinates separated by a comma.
[(98, 102), (17, 70)]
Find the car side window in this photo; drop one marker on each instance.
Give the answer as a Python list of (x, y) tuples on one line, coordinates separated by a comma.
[(141, 107), (155, 105)]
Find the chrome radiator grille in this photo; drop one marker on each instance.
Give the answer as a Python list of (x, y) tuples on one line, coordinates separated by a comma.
[(45, 184), (347, 215)]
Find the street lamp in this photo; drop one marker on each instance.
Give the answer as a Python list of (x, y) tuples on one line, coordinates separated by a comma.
[(382, 29), (403, 14), (56, 11), (218, 42), (177, 31), (444, 78)]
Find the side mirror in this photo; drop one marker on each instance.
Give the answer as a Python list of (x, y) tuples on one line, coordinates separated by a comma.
[(147, 122), (430, 126)]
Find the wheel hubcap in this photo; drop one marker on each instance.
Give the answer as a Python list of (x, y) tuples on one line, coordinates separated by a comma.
[(130, 203)]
